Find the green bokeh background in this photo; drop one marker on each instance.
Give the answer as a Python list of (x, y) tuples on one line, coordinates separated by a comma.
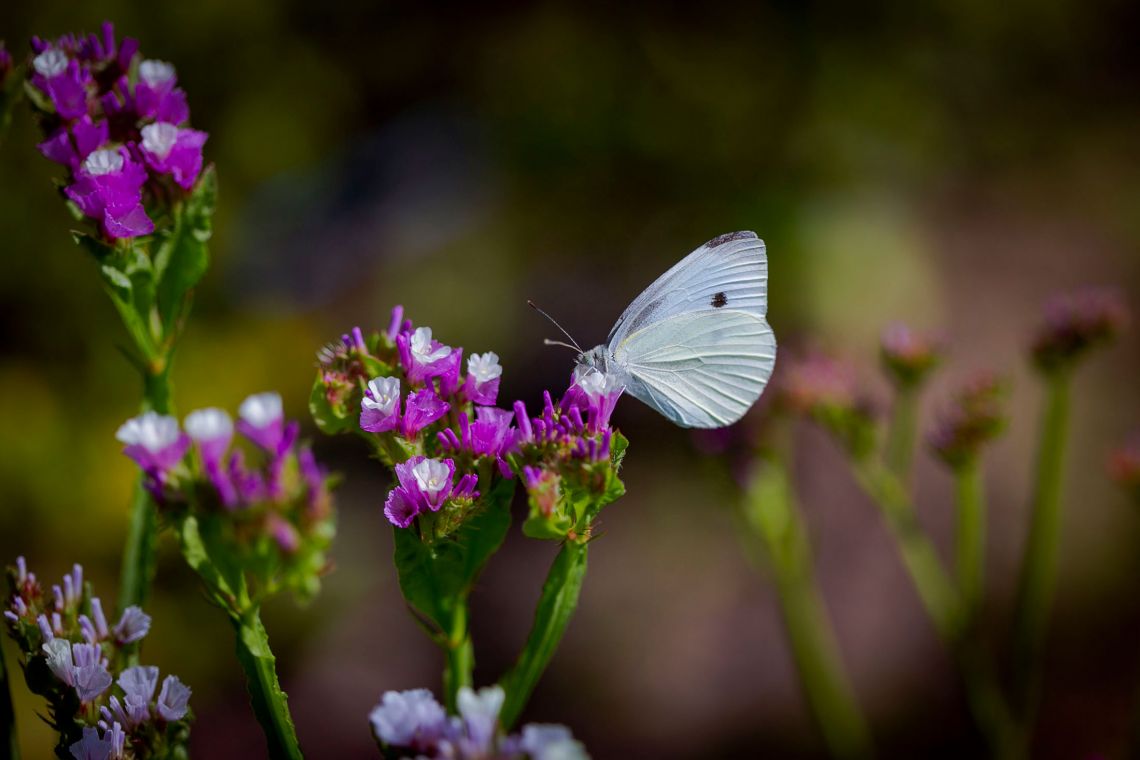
[(950, 164)]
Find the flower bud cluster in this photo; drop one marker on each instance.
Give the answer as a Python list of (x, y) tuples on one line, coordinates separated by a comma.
[(827, 390), (976, 416), (907, 355), (120, 128), (268, 497), (448, 444), (74, 657), (412, 724), (1076, 322)]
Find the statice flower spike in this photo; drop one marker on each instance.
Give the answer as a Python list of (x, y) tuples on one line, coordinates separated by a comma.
[(132, 626), (262, 420), (907, 355), (108, 188), (975, 417), (173, 150), (412, 719)]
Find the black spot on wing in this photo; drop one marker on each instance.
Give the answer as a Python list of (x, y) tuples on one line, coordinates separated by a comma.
[(719, 300), (729, 237)]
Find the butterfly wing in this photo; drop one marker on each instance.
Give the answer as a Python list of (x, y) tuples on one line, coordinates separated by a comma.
[(700, 369), (728, 272)]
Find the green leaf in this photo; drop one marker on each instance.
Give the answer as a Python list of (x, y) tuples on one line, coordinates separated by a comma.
[(328, 420), (270, 704), (555, 608), (435, 578), (182, 257), (224, 591)]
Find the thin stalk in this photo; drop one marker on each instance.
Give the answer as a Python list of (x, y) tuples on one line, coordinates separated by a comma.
[(1039, 564), (970, 537), (555, 608), (901, 433), (270, 704), (918, 554), (773, 516), (9, 745), (460, 657), (138, 566)]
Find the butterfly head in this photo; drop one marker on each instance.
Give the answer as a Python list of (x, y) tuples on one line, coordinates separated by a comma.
[(597, 359)]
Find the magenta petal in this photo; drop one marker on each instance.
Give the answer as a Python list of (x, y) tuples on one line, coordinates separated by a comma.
[(68, 94), (185, 159), (172, 108), (400, 508), (58, 148), (88, 136), (127, 224)]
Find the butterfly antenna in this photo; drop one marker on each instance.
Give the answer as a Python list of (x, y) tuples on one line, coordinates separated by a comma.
[(554, 322)]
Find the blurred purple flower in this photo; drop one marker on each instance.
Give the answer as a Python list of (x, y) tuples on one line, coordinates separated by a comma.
[(1076, 322), (132, 626), (173, 700), (211, 429), (157, 97), (412, 719), (261, 419), (154, 441), (172, 150), (380, 405), (62, 80), (480, 713), (91, 746), (975, 417), (70, 145), (108, 188), (907, 355)]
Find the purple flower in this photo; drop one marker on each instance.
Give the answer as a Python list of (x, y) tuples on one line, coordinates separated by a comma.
[(480, 713), (71, 145), (91, 746), (422, 409), (550, 742), (380, 406), (601, 396), (412, 719), (424, 484), (284, 534), (483, 375), (490, 433), (211, 430), (132, 626), (173, 700), (101, 629), (78, 665), (1076, 322), (62, 81), (422, 357), (108, 187), (262, 420), (400, 508), (156, 96), (908, 355), (154, 441), (449, 373), (138, 684), (172, 150), (396, 323)]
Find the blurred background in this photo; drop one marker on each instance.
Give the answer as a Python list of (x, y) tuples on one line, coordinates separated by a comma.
[(948, 164)]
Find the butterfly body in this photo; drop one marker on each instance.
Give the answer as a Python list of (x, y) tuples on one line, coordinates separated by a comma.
[(695, 345)]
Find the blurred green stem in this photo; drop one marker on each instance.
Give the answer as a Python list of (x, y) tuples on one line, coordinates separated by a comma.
[(138, 565), (934, 586), (9, 745), (772, 515), (460, 656), (1038, 569), (970, 538), (270, 704), (902, 431), (555, 608)]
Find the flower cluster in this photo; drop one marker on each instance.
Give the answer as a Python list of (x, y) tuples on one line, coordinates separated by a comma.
[(412, 724), (827, 390), (975, 417), (448, 444), (1076, 322), (121, 130), (75, 658), (907, 355), (269, 499)]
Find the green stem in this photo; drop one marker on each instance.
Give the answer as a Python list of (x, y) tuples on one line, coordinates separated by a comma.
[(1038, 569), (139, 552), (269, 701), (555, 607), (460, 656), (772, 514), (901, 432), (970, 538), (9, 745), (918, 554)]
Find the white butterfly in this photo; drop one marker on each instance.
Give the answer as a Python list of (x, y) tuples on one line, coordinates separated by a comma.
[(695, 345)]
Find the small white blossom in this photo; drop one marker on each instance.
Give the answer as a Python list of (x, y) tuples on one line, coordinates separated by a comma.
[(155, 73), (159, 138), (210, 424), (431, 476), (422, 350), (262, 409), (383, 394), (153, 431), (484, 367), (50, 63), (106, 161)]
